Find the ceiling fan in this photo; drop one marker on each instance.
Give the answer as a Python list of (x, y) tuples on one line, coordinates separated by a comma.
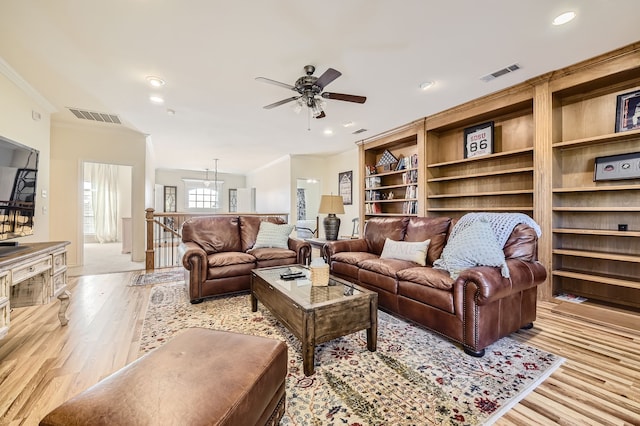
[(310, 89)]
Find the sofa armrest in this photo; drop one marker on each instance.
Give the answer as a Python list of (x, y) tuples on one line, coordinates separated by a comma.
[(302, 249), (492, 286), (355, 245), (194, 259)]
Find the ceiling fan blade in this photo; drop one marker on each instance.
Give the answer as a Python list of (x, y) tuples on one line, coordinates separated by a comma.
[(321, 115), (343, 97), (282, 102), (277, 83), (327, 77)]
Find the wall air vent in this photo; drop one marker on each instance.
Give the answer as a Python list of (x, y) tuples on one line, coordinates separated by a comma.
[(500, 73), (95, 116), (359, 131)]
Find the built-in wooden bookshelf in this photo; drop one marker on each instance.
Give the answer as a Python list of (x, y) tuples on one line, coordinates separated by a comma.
[(501, 181), (591, 257), (393, 189), (548, 131)]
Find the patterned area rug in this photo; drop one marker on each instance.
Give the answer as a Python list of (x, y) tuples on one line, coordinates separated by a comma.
[(414, 378), (157, 277)]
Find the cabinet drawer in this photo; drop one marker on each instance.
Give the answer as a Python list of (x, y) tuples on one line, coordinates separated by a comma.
[(59, 261), (29, 270), (59, 283)]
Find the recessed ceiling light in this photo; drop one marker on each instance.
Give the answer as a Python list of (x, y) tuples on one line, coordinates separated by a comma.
[(427, 85), (155, 81), (564, 18), (171, 111), (347, 124), (156, 99), (328, 132)]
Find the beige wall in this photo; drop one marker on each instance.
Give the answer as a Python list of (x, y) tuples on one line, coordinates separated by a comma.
[(273, 186), (71, 146), (343, 162), (18, 124)]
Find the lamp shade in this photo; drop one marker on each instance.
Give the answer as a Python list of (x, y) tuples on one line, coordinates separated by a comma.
[(331, 204)]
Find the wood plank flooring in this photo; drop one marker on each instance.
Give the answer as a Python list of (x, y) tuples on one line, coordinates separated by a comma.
[(43, 364)]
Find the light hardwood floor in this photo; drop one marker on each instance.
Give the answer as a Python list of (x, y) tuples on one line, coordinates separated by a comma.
[(43, 364)]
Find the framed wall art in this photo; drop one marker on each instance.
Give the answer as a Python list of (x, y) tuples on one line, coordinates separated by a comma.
[(617, 167), (233, 200), (478, 140), (628, 111), (345, 187)]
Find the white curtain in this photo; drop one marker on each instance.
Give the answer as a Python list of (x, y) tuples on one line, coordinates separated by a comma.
[(104, 183)]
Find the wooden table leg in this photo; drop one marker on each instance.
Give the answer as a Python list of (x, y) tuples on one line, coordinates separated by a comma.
[(308, 344), (64, 298), (372, 332)]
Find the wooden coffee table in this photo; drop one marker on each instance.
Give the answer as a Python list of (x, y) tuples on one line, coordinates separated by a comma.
[(315, 314)]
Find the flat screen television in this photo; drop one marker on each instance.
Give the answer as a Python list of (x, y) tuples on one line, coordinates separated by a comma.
[(18, 174)]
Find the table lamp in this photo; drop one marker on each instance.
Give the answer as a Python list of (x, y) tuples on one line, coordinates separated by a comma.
[(331, 205)]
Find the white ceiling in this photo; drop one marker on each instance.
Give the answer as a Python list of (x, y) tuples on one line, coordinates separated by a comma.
[(95, 55)]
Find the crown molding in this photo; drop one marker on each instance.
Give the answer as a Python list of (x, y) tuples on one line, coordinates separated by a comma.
[(17, 79)]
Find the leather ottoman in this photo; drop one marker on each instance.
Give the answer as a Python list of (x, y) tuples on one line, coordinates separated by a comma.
[(200, 377)]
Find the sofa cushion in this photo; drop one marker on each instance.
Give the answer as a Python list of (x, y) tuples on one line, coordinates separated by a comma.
[(213, 233), (269, 253), (229, 258), (378, 229), (428, 276), (431, 228), (388, 267), (402, 250), (352, 257), (475, 245), (273, 235), (249, 227)]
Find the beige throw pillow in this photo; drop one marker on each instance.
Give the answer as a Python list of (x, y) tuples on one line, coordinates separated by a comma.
[(403, 250), (271, 235)]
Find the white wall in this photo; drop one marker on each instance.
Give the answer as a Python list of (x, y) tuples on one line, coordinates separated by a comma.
[(273, 187), (18, 124), (71, 146)]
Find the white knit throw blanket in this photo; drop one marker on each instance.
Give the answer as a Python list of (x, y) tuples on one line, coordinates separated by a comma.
[(501, 223)]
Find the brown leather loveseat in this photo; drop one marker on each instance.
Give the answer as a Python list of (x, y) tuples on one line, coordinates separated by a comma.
[(475, 309), (218, 253)]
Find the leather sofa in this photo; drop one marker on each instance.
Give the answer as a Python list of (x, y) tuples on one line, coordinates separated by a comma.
[(218, 254), (476, 309)]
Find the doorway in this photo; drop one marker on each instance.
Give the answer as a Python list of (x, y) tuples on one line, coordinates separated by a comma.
[(106, 220)]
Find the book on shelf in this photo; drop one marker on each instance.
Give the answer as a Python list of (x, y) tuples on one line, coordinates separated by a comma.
[(372, 182), (410, 207), (373, 208), (411, 191), (370, 170), (410, 176)]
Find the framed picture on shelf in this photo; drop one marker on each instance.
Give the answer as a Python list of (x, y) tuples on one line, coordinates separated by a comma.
[(617, 167), (628, 111), (345, 186), (478, 140)]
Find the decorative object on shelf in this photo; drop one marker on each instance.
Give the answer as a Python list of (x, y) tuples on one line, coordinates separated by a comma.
[(617, 167), (478, 140), (387, 161), (345, 186), (628, 111), (331, 205)]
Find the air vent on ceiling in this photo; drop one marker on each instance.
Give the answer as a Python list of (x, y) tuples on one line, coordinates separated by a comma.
[(95, 116), (359, 131), (500, 73)]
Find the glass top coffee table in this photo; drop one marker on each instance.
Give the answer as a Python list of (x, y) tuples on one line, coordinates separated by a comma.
[(315, 314)]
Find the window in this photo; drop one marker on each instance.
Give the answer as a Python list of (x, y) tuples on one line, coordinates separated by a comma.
[(200, 196)]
